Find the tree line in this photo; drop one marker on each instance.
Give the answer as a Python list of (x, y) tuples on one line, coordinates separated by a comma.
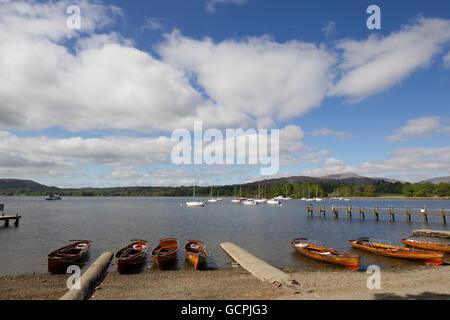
[(293, 190)]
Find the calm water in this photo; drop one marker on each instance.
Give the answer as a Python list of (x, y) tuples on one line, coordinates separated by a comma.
[(263, 230)]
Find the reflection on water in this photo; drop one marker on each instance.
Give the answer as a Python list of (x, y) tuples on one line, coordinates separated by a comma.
[(263, 230)]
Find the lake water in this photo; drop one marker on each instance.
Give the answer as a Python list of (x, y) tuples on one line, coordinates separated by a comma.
[(263, 230)]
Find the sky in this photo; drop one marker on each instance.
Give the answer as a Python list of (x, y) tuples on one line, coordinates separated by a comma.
[(95, 104)]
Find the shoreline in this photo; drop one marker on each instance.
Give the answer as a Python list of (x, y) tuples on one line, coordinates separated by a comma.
[(415, 282), (226, 197)]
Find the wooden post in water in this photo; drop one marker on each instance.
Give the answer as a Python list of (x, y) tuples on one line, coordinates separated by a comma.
[(375, 212), (334, 210), (424, 214), (348, 212), (16, 222), (2, 208), (443, 215), (391, 214), (408, 214)]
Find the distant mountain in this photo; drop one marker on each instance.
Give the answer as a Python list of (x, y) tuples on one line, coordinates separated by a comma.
[(340, 176), (346, 178), (14, 184), (437, 180), (391, 180)]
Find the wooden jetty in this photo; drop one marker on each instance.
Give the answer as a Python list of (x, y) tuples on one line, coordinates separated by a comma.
[(6, 219), (376, 211)]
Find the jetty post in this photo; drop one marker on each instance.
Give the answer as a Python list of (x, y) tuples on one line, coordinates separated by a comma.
[(424, 214), (2, 208), (443, 215), (348, 212), (391, 214), (375, 212), (335, 211), (361, 212), (408, 214)]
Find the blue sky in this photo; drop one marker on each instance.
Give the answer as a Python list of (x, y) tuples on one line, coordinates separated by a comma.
[(97, 106)]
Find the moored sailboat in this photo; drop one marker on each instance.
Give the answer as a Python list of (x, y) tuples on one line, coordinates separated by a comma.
[(195, 203)]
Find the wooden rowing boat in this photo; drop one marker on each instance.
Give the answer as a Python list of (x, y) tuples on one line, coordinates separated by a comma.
[(131, 255), (195, 252), (165, 251), (325, 254), (427, 257), (428, 245), (68, 255)]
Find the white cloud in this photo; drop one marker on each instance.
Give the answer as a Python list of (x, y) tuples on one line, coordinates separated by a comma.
[(256, 75), (52, 156), (154, 23), (328, 132), (105, 84), (420, 127), (406, 163), (329, 29), (378, 63), (211, 4), (316, 157), (447, 61)]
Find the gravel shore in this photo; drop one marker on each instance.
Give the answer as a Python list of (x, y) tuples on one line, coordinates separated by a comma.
[(421, 282)]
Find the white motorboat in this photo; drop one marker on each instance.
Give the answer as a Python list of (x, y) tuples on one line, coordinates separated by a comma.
[(273, 201), (195, 204), (260, 200), (249, 202)]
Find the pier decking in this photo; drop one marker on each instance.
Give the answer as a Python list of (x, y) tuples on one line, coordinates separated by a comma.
[(376, 211), (6, 219)]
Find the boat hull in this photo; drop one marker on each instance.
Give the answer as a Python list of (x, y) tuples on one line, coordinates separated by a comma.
[(427, 257), (195, 253), (165, 252), (326, 254), (131, 255), (427, 245), (195, 204), (73, 253)]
